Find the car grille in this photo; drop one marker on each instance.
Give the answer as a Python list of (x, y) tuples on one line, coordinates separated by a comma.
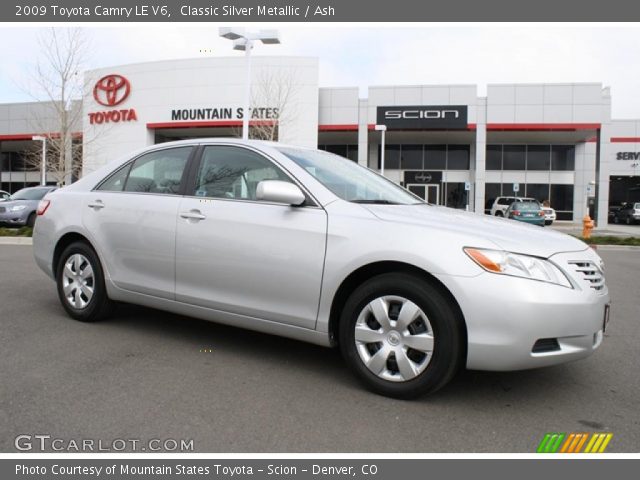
[(590, 272)]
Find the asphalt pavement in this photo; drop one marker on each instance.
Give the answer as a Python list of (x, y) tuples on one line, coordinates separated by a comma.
[(145, 374)]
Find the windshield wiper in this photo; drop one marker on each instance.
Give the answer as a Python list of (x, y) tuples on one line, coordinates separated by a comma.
[(374, 202)]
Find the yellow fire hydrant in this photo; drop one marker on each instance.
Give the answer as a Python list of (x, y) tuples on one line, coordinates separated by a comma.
[(587, 226)]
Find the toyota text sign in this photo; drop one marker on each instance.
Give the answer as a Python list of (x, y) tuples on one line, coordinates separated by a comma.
[(423, 117)]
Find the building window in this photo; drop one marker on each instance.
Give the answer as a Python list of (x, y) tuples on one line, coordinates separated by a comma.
[(542, 158), (514, 157), (494, 157), (539, 191), (538, 157), (491, 192), (411, 157), (562, 201), (346, 151), (425, 157), (458, 157), (435, 157), (563, 157), (456, 196)]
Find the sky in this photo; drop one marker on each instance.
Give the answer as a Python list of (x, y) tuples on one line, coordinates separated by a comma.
[(377, 55)]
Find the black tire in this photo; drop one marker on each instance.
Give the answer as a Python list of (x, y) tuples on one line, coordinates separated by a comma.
[(616, 220), (499, 214), (628, 220), (548, 222), (31, 221), (447, 355), (99, 306)]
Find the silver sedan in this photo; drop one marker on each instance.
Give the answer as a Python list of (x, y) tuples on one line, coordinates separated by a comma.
[(302, 243)]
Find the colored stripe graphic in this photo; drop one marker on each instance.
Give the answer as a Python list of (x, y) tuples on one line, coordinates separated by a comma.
[(598, 443), (551, 442), (555, 442)]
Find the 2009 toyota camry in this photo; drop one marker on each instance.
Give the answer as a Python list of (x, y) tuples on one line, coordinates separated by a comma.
[(306, 244)]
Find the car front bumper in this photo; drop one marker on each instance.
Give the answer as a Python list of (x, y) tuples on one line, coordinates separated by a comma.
[(506, 316), (14, 219)]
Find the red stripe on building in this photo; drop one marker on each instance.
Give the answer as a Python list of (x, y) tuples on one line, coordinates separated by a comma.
[(29, 136), (550, 127), (625, 139)]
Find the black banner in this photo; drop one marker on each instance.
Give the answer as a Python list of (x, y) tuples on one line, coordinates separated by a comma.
[(423, 117), (422, 177), (315, 11)]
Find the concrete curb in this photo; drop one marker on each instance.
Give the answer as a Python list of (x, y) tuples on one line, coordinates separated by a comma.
[(617, 247), (16, 241)]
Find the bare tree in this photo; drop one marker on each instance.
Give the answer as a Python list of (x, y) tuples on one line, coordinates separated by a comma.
[(275, 90), (57, 82)]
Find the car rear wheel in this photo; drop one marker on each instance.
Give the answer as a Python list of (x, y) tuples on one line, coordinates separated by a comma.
[(81, 287), (499, 214), (31, 221), (401, 336), (628, 220)]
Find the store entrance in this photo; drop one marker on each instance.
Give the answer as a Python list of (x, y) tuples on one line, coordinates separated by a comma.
[(429, 192)]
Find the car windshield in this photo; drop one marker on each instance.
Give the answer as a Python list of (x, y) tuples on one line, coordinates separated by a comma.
[(348, 180), (528, 206), (637, 206), (30, 194)]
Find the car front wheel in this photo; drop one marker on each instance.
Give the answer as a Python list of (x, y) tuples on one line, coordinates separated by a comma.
[(401, 336), (80, 282)]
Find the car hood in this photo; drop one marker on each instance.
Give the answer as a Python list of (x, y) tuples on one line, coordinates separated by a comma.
[(506, 234)]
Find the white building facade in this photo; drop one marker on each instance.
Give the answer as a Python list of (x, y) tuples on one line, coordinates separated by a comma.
[(554, 142)]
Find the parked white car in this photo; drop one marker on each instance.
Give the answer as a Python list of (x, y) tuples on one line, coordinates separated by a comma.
[(501, 204), (302, 243), (549, 215)]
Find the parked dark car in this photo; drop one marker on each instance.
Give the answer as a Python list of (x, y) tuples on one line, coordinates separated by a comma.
[(20, 209), (629, 213)]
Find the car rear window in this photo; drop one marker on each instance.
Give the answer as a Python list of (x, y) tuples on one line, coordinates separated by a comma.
[(525, 206)]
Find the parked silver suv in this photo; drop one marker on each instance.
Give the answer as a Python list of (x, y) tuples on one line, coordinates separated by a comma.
[(302, 243)]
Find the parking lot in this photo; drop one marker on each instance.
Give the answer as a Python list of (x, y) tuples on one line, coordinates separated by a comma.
[(146, 374)]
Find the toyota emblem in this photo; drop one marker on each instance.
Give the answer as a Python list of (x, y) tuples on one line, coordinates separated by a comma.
[(111, 90)]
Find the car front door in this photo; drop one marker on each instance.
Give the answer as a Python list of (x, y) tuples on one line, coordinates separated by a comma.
[(237, 254), (132, 219)]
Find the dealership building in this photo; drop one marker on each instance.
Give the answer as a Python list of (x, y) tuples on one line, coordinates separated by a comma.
[(446, 143)]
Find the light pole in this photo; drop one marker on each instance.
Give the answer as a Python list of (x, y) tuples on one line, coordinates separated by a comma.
[(383, 130), (43, 167), (244, 40)]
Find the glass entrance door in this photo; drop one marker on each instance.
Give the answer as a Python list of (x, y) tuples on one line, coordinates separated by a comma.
[(430, 191)]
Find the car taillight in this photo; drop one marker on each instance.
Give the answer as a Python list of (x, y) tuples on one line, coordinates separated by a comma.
[(541, 213), (42, 206), (515, 213)]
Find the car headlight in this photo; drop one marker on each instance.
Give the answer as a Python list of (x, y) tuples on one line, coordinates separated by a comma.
[(17, 208), (517, 265)]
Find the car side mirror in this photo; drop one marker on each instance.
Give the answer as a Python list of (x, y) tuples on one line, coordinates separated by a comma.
[(277, 191)]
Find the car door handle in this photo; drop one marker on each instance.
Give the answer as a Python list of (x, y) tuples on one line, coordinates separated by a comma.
[(193, 215), (97, 205)]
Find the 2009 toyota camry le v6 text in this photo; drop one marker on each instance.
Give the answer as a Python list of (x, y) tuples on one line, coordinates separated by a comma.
[(302, 243)]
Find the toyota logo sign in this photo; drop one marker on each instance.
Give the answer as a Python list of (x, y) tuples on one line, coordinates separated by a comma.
[(111, 90)]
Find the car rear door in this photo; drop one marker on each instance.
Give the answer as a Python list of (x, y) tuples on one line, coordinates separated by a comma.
[(132, 219), (240, 255)]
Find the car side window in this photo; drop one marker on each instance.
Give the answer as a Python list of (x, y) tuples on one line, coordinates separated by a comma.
[(234, 173), (158, 172), (115, 183)]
